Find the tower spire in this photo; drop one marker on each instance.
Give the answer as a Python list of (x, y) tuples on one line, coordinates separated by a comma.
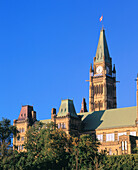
[(102, 48)]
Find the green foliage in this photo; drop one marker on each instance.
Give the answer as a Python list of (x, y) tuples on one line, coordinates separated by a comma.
[(48, 147), (7, 131), (124, 162), (84, 152)]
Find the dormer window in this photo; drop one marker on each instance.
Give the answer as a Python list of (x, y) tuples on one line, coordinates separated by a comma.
[(61, 110), (21, 115), (25, 115), (65, 109)]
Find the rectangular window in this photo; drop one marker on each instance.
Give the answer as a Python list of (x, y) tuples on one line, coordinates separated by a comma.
[(126, 145), (58, 125), (133, 133), (23, 130), (100, 137), (62, 125), (122, 145), (22, 139), (110, 137), (120, 134)]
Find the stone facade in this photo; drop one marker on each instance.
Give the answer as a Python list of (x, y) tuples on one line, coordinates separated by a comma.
[(26, 118)]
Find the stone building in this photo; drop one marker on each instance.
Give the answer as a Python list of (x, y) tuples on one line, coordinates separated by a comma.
[(116, 129)]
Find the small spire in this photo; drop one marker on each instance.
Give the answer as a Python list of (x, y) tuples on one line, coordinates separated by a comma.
[(114, 70), (83, 106), (91, 68)]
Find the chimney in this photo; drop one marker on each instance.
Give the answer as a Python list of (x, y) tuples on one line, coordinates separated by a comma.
[(53, 111)]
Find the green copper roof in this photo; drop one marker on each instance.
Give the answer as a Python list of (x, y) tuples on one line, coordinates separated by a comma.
[(102, 49), (111, 118), (66, 107)]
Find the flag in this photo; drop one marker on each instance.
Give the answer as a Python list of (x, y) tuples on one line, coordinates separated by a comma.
[(101, 18)]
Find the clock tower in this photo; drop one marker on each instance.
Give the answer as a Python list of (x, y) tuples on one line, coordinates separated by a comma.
[(102, 87)]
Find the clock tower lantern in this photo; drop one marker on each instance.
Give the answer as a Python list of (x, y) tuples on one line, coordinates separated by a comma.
[(102, 88)]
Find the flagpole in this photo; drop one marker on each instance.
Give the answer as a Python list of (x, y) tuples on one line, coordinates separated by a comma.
[(102, 23)]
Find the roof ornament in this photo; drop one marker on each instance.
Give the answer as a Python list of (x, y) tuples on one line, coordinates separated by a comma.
[(101, 20)]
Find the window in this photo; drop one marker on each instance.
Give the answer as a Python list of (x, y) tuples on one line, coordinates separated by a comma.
[(120, 134), (24, 114), (110, 137), (64, 125), (22, 139), (133, 133), (58, 125), (126, 145), (100, 137), (23, 129), (22, 147), (61, 110), (101, 89), (18, 147), (110, 151), (122, 145)]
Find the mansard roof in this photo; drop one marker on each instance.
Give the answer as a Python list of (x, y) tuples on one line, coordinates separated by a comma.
[(107, 119), (26, 112), (66, 107), (102, 49)]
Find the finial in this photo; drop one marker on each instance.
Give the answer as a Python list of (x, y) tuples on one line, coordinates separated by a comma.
[(91, 68), (114, 70)]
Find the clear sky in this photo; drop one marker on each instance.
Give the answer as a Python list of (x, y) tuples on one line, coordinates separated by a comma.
[(46, 47)]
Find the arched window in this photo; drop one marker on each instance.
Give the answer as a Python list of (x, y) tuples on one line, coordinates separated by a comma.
[(23, 130), (101, 88), (96, 90), (95, 105)]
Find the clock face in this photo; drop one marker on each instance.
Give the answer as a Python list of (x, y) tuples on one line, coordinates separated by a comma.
[(99, 69), (107, 70)]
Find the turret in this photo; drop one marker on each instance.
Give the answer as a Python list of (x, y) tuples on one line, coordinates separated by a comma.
[(114, 72), (83, 106)]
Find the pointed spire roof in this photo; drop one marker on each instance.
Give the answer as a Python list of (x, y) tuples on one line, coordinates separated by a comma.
[(102, 49), (114, 70)]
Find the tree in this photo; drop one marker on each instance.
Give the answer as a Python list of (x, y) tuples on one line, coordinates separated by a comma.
[(84, 152), (46, 145), (7, 131)]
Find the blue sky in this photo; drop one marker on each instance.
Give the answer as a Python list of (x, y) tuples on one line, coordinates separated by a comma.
[(46, 48)]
